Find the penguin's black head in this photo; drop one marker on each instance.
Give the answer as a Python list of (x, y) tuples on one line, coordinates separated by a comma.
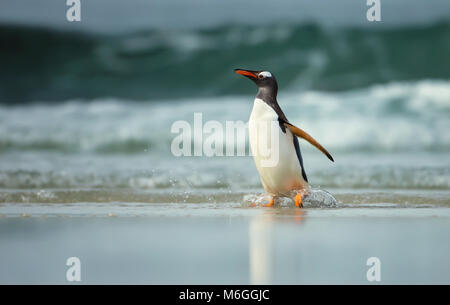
[(263, 79)]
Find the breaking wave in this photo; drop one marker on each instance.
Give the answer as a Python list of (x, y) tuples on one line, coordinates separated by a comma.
[(403, 116)]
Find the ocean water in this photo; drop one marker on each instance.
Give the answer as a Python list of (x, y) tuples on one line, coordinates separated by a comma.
[(383, 137), (52, 65)]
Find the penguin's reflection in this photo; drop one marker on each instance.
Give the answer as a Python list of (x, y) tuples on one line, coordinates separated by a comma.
[(261, 249), (262, 242)]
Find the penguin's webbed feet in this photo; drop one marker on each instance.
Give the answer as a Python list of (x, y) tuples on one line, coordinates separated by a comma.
[(298, 199)]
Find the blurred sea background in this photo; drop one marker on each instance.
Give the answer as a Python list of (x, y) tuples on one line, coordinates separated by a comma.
[(86, 110)]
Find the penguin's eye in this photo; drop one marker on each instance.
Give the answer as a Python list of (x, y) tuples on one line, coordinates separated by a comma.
[(264, 74)]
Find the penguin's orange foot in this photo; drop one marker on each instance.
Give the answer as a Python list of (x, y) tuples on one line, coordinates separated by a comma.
[(298, 201), (270, 204)]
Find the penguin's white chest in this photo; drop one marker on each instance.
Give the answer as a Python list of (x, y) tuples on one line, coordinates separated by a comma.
[(274, 152)]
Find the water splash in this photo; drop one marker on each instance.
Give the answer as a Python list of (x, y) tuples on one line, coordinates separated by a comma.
[(316, 198)]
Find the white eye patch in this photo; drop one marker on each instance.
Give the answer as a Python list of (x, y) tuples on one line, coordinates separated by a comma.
[(265, 74)]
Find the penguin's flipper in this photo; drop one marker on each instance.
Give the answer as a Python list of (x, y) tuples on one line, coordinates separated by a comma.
[(304, 135)]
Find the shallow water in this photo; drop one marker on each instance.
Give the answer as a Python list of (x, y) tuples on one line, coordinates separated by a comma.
[(210, 235), (223, 244)]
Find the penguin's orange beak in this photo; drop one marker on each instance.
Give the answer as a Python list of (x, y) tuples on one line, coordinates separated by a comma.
[(248, 73)]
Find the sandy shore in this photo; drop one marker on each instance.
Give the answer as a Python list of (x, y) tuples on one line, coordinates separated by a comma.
[(222, 243)]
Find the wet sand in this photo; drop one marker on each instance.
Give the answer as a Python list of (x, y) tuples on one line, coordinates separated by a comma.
[(223, 243)]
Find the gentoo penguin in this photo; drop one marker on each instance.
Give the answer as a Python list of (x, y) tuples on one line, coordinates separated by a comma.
[(269, 125)]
